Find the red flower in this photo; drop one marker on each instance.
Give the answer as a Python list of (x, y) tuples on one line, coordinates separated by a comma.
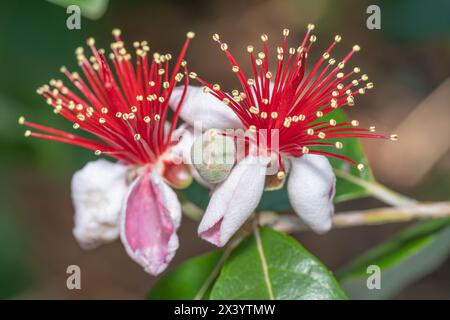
[(124, 106), (292, 101), (283, 113)]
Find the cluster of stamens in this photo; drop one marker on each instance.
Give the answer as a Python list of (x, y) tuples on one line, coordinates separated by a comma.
[(294, 101), (125, 106)]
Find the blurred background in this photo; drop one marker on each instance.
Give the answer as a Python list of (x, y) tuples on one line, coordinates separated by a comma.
[(408, 60)]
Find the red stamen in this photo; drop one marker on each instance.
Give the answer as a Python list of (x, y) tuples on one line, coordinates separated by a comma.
[(297, 99), (127, 115)]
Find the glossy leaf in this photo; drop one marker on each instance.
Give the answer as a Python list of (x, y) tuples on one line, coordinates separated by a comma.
[(400, 21), (272, 265), (186, 280), (404, 259)]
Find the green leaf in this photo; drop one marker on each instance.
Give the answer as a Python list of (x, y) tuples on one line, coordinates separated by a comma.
[(185, 281), (272, 265), (405, 258), (92, 9), (196, 194)]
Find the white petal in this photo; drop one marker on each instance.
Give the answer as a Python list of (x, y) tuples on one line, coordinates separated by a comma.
[(205, 109), (98, 190), (234, 200), (184, 138), (186, 135), (311, 187), (150, 217)]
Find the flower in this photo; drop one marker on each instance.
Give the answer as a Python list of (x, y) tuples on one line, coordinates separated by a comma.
[(283, 113), (125, 107)]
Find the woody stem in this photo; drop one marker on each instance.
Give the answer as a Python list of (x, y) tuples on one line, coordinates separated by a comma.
[(290, 223)]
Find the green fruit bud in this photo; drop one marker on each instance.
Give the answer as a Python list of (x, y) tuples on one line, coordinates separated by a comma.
[(213, 155)]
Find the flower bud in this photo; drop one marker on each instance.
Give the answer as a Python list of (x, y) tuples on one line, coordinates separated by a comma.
[(213, 155), (176, 175)]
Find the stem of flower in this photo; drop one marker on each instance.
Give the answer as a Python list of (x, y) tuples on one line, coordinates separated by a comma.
[(291, 223), (191, 210)]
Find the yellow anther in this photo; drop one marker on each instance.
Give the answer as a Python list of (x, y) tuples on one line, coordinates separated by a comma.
[(281, 175), (254, 110), (116, 32)]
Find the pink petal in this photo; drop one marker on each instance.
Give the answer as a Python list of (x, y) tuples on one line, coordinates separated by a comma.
[(150, 217), (234, 200)]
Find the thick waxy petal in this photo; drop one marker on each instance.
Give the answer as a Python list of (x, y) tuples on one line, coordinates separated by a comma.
[(234, 200), (183, 138), (98, 190), (311, 187), (205, 109), (186, 135), (150, 217)]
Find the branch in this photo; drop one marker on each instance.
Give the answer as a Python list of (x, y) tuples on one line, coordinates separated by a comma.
[(291, 223)]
